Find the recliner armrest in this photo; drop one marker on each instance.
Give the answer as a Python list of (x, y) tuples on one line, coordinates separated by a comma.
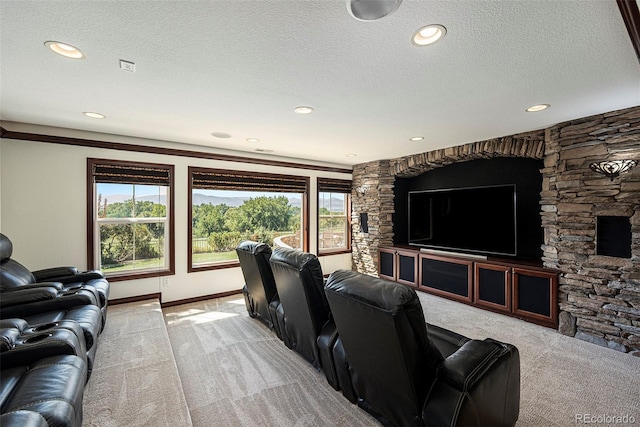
[(59, 286), (27, 302), (27, 348), (66, 275), (49, 273), (24, 296), (477, 385), (464, 367)]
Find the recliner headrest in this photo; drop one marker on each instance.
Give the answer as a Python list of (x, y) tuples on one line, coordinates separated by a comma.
[(371, 290), (254, 248), (6, 247), (297, 259)]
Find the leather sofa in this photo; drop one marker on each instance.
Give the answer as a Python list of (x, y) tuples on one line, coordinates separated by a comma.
[(50, 321), (308, 326), (260, 292), (407, 373), (67, 281)]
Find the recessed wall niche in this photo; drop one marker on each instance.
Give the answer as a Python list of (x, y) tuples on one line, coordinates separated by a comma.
[(524, 173), (613, 236)]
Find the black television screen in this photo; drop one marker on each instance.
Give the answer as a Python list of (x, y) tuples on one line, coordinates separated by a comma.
[(477, 220)]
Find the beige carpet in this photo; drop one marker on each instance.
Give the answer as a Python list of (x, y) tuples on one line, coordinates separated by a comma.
[(561, 377), (235, 372), (135, 381)]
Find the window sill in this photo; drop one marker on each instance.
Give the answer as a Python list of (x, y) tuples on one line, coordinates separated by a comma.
[(216, 266), (135, 276), (334, 252)]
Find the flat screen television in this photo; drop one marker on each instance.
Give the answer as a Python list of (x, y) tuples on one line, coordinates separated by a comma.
[(479, 220)]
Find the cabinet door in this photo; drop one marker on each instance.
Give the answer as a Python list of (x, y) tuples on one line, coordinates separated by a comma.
[(387, 263), (492, 286), (535, 296), (407, 267), (448, 277)]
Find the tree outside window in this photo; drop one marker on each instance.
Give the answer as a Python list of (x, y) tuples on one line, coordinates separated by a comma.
[(130, 218), (132, 231), (334, 216), (217, 229), (229, 207), (333, 224)]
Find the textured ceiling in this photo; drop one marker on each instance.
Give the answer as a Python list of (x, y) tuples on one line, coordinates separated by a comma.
[(240, 67)]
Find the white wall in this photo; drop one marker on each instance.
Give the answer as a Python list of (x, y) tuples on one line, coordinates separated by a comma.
[(44, 208)]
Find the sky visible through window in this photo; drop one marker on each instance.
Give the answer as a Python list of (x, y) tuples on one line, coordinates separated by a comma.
[(108, 190), (115, 193)]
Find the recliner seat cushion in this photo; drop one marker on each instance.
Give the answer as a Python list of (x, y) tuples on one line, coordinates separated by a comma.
[(52, 387), (23, 418)]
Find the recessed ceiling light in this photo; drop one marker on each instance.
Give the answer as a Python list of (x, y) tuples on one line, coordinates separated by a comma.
[(352, 155), (416, 138), (537, 108), (253, 140), (428, 35), (65, 50), (221, 135), (303, 110), (94, 115)]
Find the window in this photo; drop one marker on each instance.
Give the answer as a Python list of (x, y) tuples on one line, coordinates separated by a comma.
[(228, 207), (130, 224), (334, 216)]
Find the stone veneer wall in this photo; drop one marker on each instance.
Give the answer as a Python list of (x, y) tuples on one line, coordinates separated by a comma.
[(599, 295)]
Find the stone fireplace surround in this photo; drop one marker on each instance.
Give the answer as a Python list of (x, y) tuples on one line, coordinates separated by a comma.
[(599, 296)]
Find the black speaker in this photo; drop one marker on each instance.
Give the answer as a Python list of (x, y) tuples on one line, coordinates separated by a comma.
[(534, 294), (387, 265), (613, 236), (492, 287), (407, 268), (364, 222), (446, 276)]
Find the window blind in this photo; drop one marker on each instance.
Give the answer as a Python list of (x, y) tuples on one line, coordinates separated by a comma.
[(218, 179), (120, 172), (329, 185)]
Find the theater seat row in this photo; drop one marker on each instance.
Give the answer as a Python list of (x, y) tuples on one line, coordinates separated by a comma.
[(50, 322), (370, 338)]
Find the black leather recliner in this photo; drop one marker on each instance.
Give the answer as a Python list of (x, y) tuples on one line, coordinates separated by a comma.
[(43, 392), (41, 303), (260, 293), (67, 281), (398, 370), (308, 325)]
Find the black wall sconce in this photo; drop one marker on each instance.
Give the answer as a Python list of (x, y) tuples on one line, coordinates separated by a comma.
[(613, 168)]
